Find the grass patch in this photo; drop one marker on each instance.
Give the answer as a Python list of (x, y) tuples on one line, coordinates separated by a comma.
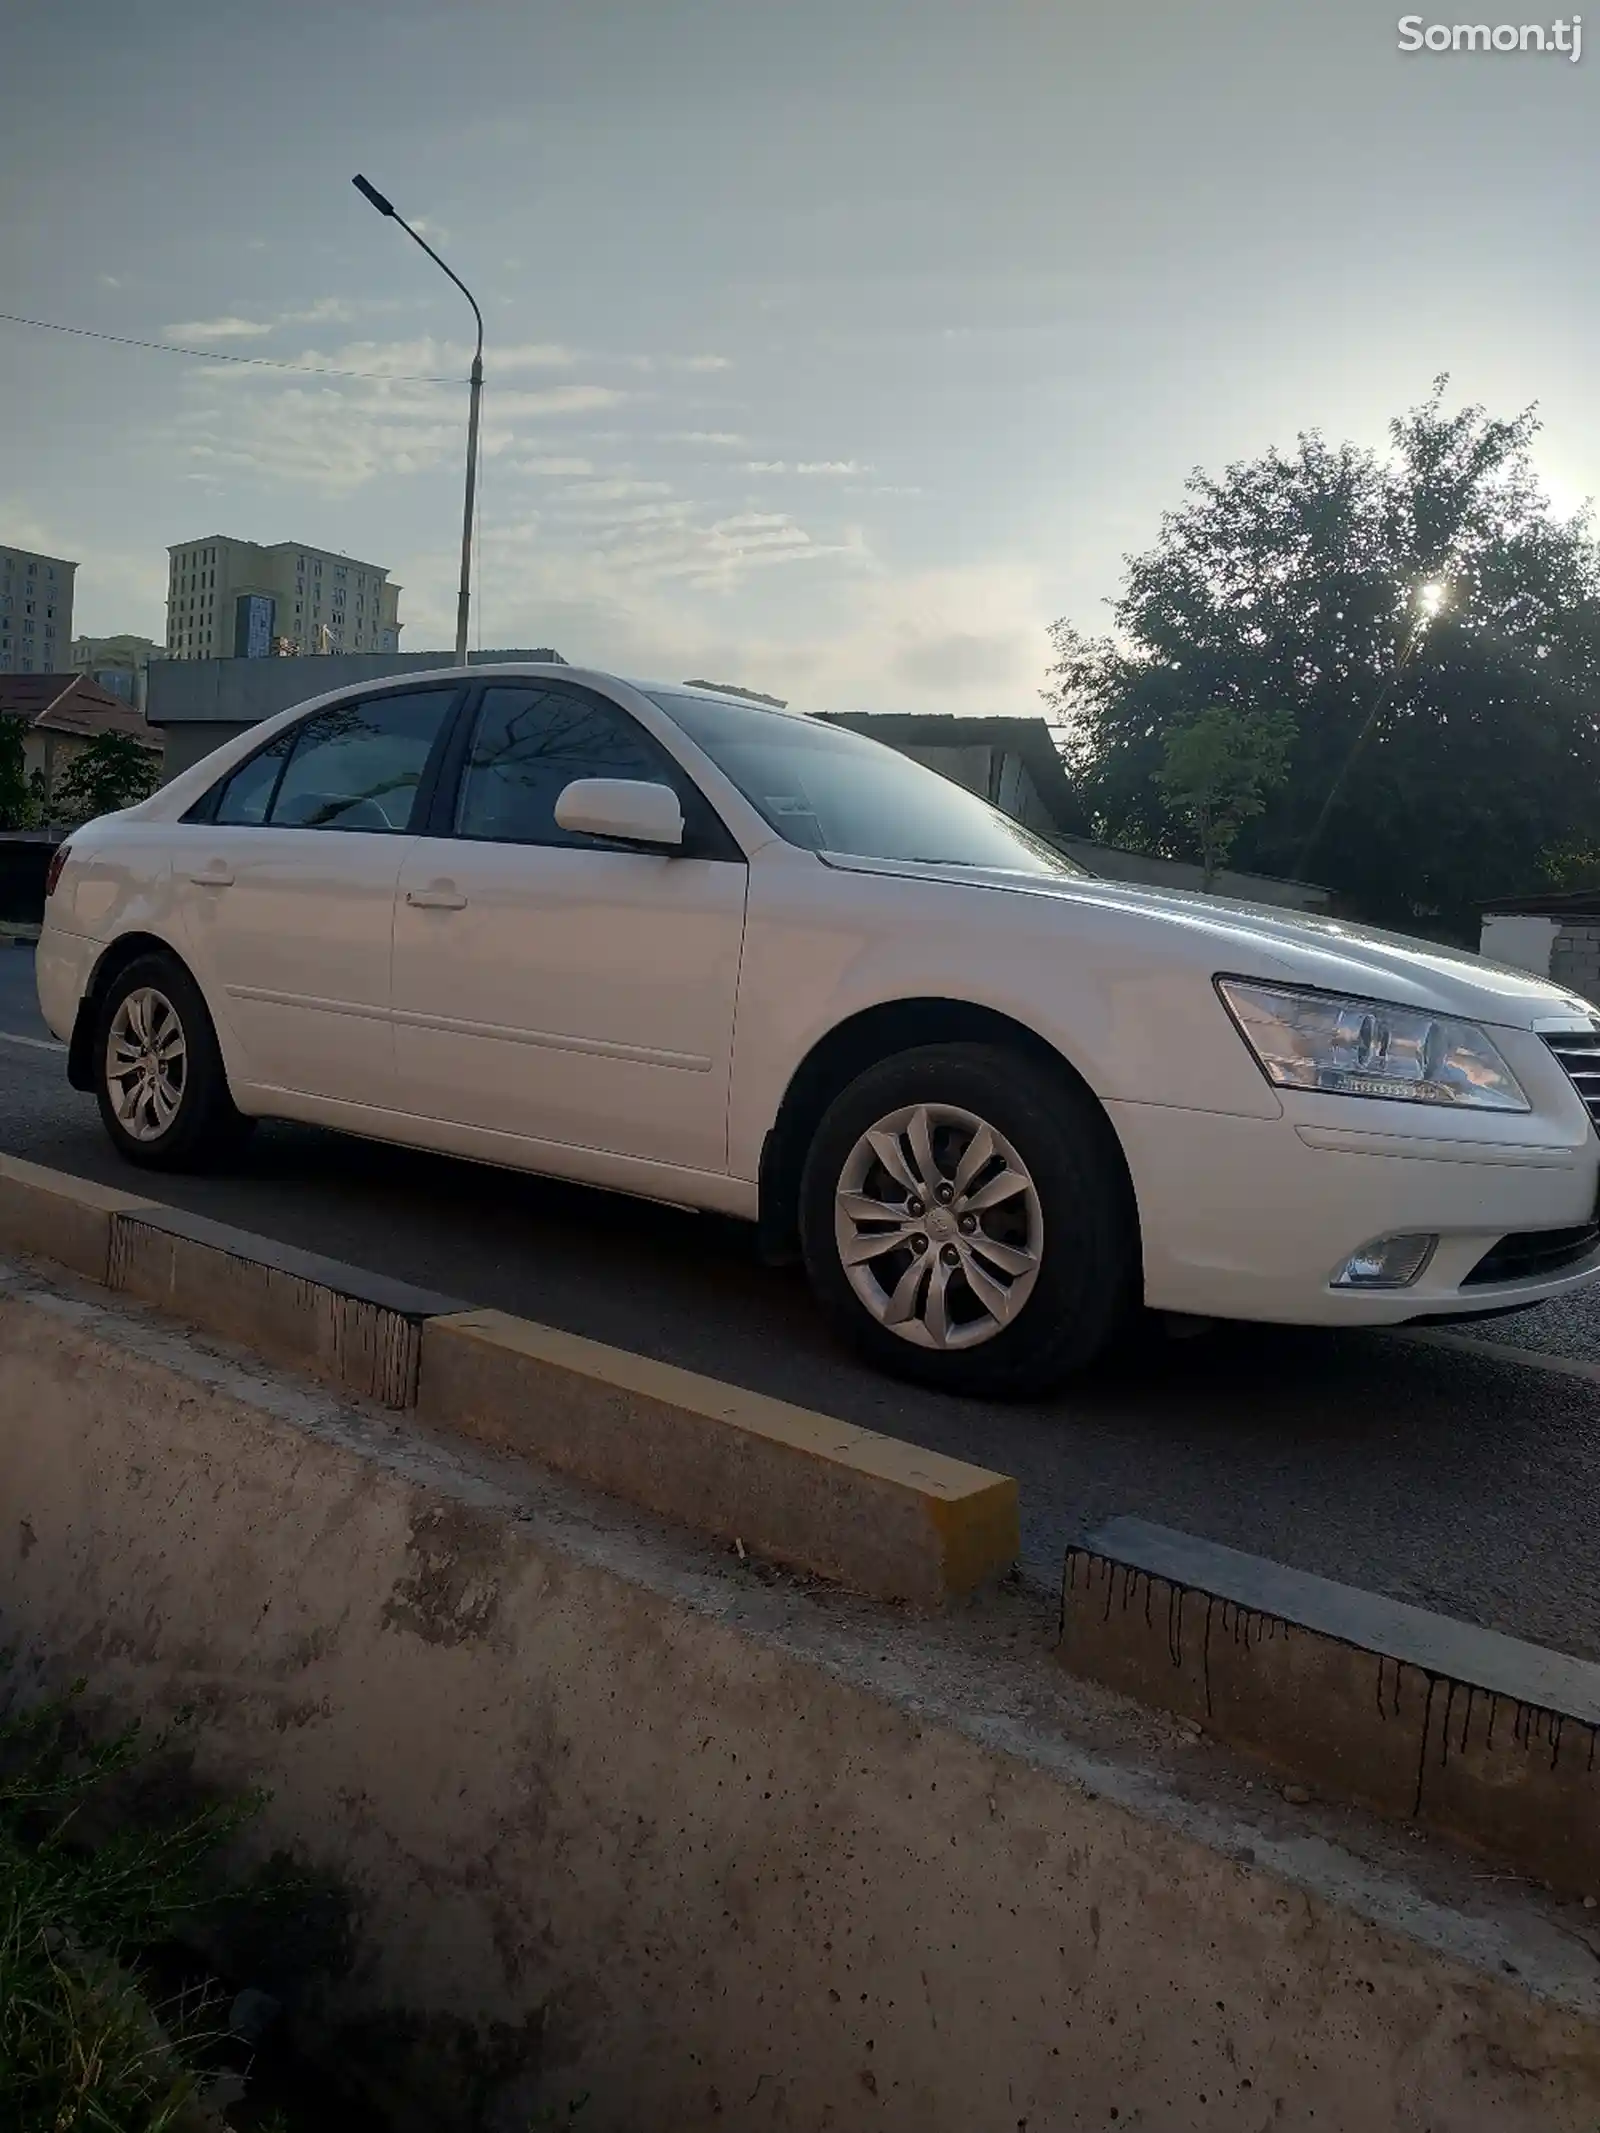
[(124, 1940), (97, 1879)]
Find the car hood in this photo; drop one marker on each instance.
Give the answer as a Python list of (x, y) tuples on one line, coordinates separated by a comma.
[(1266, 941)]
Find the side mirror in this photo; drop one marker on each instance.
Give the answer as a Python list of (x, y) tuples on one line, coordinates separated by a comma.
[(631, 810)]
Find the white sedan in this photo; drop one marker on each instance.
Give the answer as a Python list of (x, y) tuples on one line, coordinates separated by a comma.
[(673, 944)]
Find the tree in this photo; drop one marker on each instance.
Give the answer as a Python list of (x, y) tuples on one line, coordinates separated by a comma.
[(113, 771), (17, 810), (1217, 772), (1430, 627)]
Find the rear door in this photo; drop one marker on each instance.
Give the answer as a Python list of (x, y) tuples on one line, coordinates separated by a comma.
[(551, 986), (288, 893)]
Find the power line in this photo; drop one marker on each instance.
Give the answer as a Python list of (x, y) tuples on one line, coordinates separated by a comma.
[(213, 355)]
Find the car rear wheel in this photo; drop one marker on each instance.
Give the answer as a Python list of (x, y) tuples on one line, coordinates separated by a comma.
[(159, 1077), (966, 1221)]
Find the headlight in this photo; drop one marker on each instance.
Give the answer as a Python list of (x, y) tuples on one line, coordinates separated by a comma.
[(1315, 1040)]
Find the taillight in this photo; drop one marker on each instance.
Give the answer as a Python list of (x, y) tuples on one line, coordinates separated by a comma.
[(58, 859)]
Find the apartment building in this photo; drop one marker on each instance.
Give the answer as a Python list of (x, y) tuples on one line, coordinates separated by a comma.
[(230, 599), (120, 664), (35, 611)]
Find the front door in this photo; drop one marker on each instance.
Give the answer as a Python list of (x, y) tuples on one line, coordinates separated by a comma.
[(288, 894), (553, 987)]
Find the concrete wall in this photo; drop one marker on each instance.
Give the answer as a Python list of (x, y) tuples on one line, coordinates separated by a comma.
[(1117, 865), (189, 742), (739, 1858), (1524, 942), (994, 774), (1575, 956), (200, 703), (239, 692)]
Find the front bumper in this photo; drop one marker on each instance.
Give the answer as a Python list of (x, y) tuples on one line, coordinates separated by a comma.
[(1250, 1218)]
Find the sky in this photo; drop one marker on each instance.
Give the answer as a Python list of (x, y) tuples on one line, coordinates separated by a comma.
[(834, 347)]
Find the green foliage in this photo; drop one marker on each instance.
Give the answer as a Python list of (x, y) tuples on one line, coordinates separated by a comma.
[(83, 2047), (1428, 625), (1217, 772), (18, 809), (115, 770), (1573, 865)]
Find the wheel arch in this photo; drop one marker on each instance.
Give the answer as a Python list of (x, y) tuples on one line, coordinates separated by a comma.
[(114, 959), (861, 1041)]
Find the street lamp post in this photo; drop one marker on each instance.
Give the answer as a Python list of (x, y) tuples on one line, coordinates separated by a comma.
[(464, 596)]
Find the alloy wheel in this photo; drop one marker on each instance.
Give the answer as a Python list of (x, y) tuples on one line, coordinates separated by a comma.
[(147, 1061), (938, 1226)]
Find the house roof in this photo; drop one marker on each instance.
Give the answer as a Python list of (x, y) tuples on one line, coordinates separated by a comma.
[(1029, 739), (70, 703), (1561, 903)]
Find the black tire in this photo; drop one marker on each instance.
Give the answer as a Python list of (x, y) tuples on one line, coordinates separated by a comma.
[(205, 1127), (1085, 1289)]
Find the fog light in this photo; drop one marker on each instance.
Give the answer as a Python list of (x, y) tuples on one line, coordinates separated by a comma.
[(1386, 1263)]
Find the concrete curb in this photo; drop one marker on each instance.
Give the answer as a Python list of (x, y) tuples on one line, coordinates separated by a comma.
[(63, 1218), (358, 1331), (796, 1487), (1488, 1740), (806, 1489)]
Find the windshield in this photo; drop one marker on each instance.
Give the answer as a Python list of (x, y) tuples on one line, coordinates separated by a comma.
[(831, 790)]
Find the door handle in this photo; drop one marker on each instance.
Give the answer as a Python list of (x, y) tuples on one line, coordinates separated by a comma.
[(436, 899), (214, 877)]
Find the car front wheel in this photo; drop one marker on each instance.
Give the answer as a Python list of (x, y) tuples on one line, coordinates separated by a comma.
[(159, 1077), (967, 1223)]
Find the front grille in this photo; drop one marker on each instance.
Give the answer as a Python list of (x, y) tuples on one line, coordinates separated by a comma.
[(1579, 1053), (1531, 1254)]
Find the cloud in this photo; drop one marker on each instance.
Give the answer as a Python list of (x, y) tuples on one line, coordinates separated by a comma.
[(615, 490), (217, 329), (839, 467), (554, 400), (570, 468), (694, 363), (667, 590), (337, 435), (615, 531), (728, 440), (334, 310), (529, 355)]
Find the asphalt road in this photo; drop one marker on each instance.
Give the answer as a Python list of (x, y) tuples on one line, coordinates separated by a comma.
[(1469, 1482)]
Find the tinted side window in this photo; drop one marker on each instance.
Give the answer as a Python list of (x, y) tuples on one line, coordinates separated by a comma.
[(359, 766), (529, 744), (248, 793)]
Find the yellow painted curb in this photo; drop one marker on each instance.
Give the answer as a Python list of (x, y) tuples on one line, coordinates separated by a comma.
[(801, 1488)]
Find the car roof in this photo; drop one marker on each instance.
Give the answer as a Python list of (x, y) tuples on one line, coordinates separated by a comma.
[(545, 670)]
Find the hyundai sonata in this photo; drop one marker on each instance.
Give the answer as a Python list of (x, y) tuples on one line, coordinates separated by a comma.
[(672, 943)]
